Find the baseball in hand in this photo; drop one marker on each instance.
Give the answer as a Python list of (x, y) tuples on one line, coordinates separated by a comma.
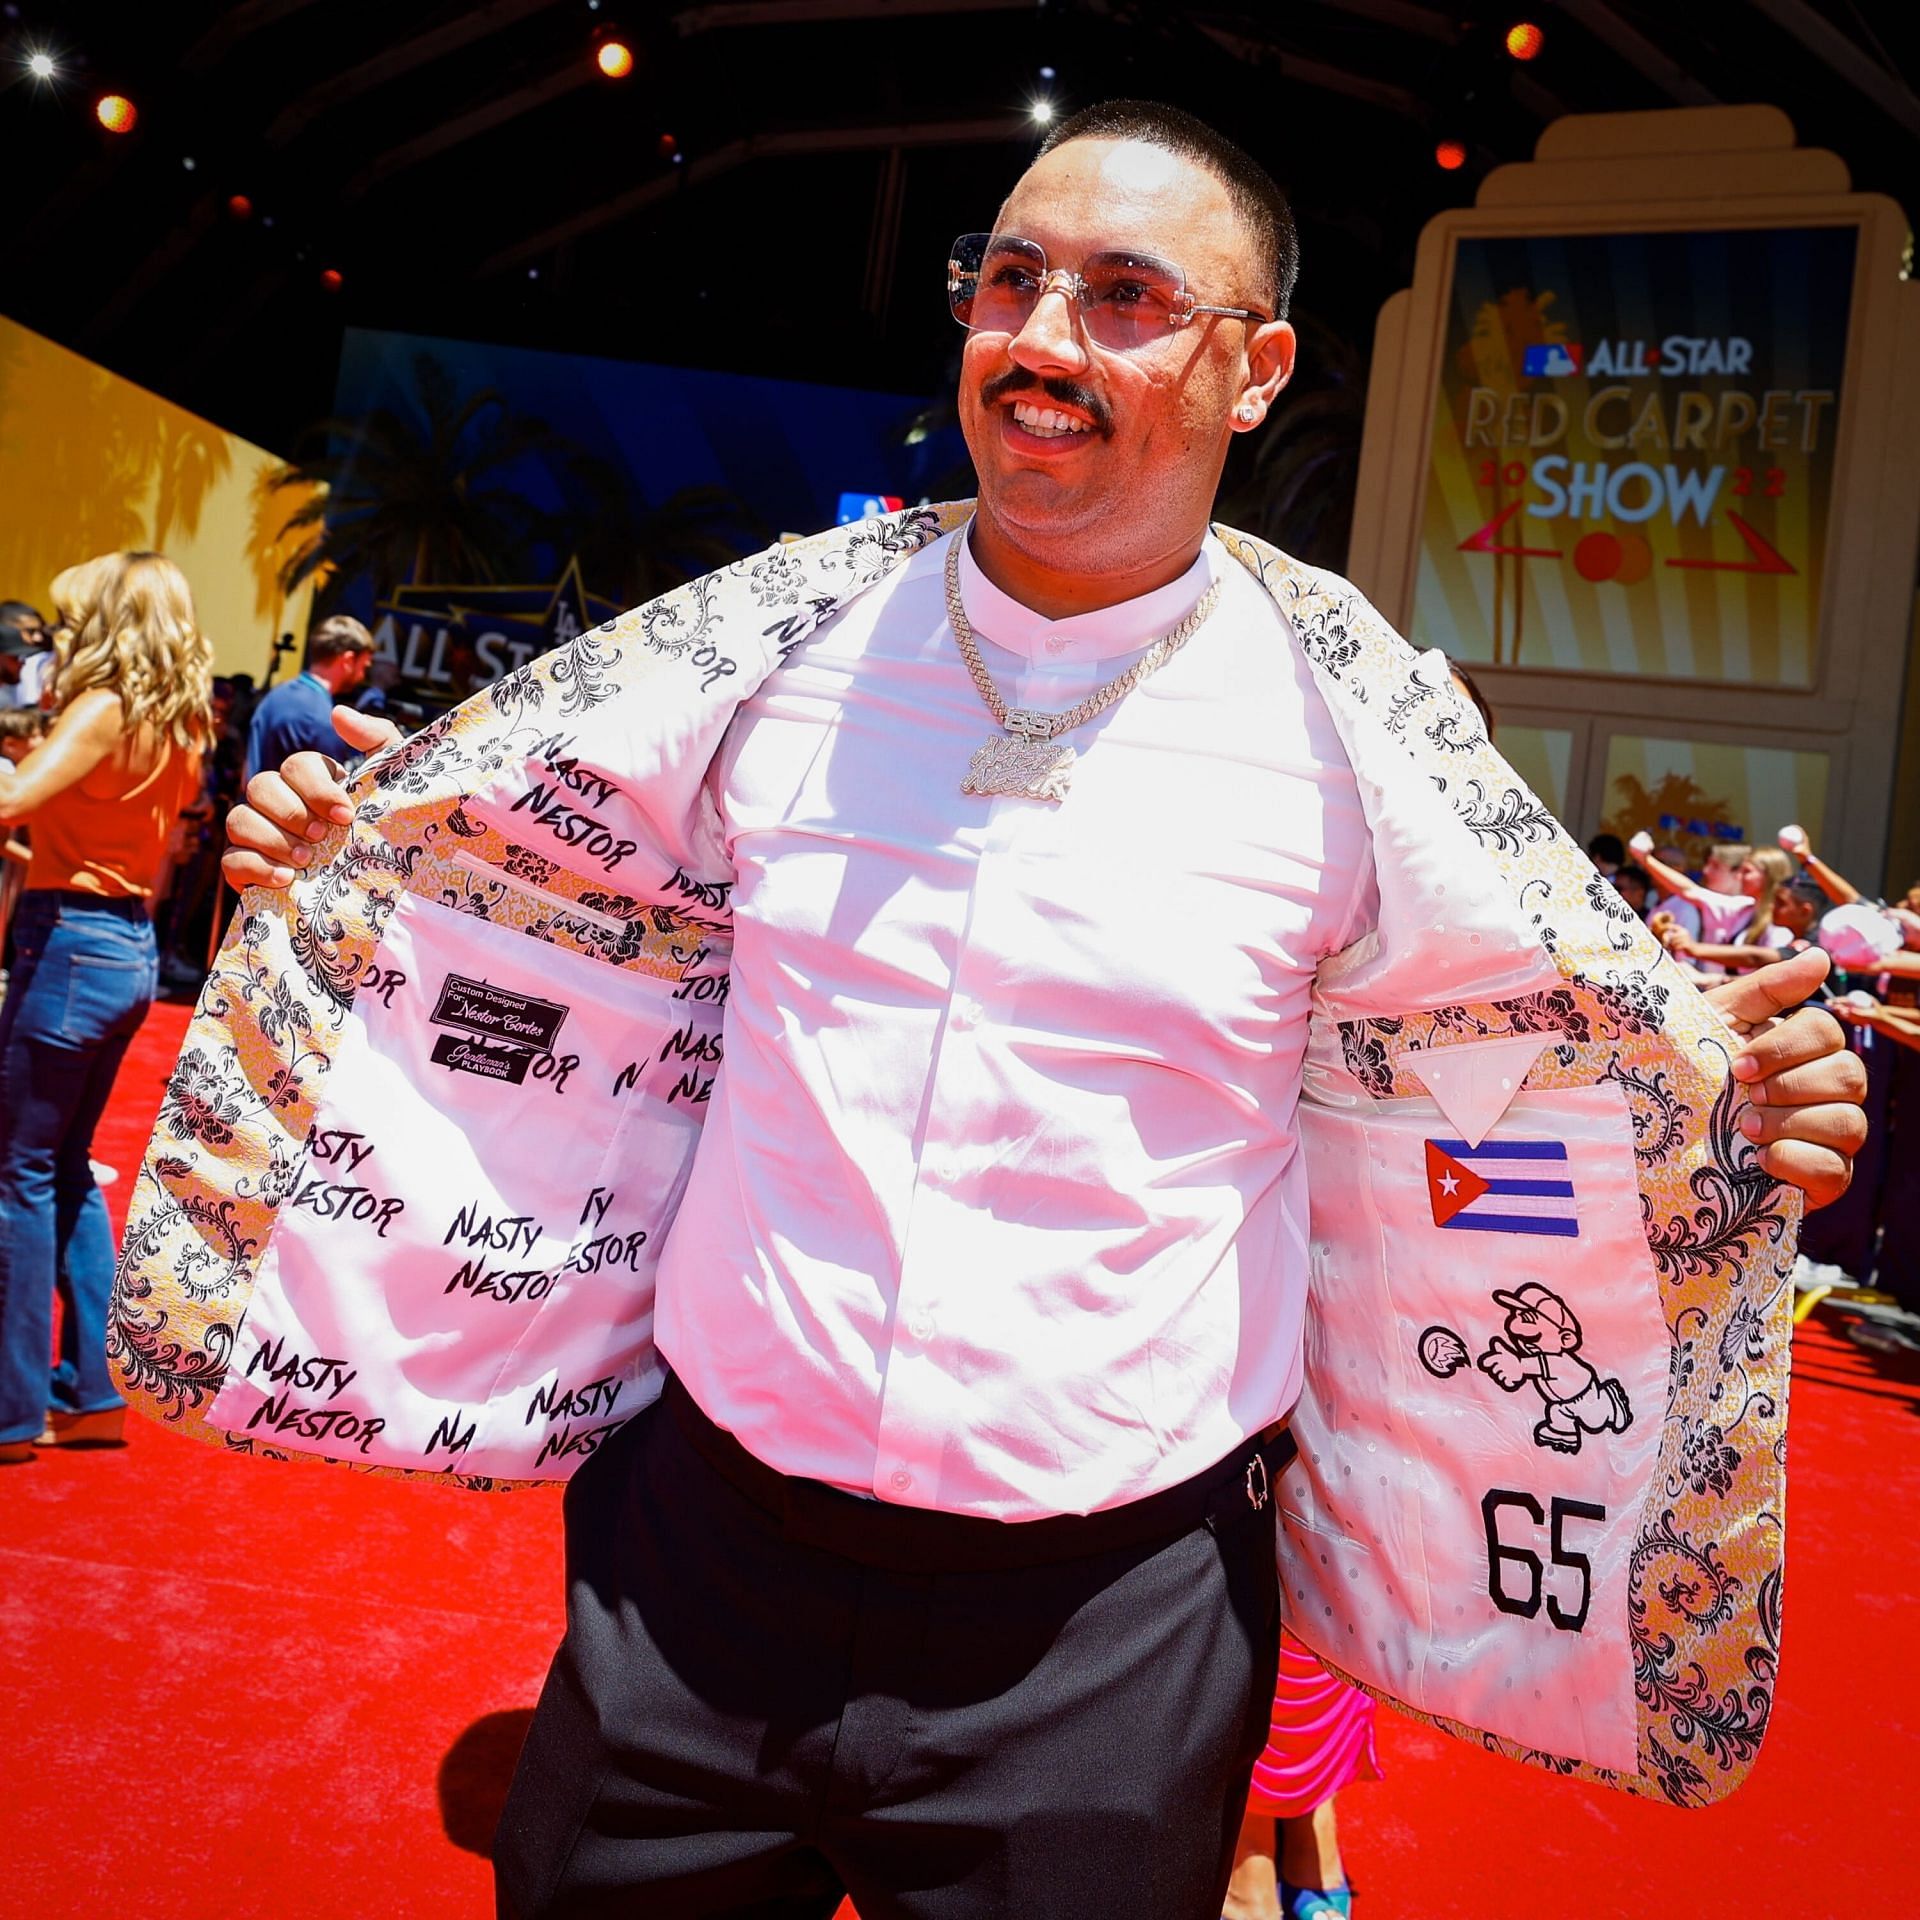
[(1794, 839), (1641, 844)]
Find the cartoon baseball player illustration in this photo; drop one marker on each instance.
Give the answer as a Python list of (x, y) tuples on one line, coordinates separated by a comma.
[(1542, 1344)]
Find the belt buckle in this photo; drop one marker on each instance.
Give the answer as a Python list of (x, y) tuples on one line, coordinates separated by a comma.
[(1258, 1489)]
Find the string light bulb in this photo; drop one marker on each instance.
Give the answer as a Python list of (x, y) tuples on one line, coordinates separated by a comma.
[(41, 66), (614, 58), (1450, 156), (1524, 40), (116, 113)]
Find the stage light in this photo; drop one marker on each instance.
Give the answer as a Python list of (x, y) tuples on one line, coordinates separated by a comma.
[(1042, 111), (1450, 156), (669, 147), (116, 113), (614, 58), (1524, 40), (240, 207), (41, 66), (188, 161), (332, 279), (1047, 73)]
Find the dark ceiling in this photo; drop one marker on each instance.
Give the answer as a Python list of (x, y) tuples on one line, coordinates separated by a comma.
[(467, 171)]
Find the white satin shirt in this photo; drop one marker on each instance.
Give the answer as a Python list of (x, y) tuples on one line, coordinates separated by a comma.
[(999, 1208)]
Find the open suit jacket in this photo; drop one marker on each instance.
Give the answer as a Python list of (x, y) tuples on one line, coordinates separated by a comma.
[(437, 1106)]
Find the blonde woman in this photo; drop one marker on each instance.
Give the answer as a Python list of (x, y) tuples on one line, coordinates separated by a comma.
[(1775, 921), (132, 679)]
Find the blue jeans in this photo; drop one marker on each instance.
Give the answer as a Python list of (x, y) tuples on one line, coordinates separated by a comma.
[(83, 978)]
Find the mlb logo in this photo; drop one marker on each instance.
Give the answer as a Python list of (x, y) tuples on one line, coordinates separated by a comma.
[(1553, 362)]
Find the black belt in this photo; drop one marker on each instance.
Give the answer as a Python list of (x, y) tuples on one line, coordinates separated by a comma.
[(77, 900), (877, 1533)]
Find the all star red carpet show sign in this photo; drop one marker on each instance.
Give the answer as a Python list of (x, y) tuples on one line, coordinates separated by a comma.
[(1632, 452)]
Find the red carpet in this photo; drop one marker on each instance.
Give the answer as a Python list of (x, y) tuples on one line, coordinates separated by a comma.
[(237, 1689)]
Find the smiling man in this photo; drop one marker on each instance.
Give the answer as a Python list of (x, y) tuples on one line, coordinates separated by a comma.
[(942, 1572)]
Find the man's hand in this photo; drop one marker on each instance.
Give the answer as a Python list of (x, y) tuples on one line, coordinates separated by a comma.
[(1805, 1086), (271, 834)]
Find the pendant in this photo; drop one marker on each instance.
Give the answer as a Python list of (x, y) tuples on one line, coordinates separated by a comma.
[(1021, 768)]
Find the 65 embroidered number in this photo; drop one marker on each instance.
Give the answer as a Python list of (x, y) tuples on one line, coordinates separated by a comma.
[(1505, 1561)]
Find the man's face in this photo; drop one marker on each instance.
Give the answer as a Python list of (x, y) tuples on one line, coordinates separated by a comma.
[(1140, 481), (357, 665), (1793, 911)]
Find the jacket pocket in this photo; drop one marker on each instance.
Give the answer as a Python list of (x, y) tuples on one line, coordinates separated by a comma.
[(106, 995), (460, 1275), (1486, 1380)]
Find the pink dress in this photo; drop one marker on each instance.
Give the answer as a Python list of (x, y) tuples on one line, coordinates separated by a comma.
[(1321, 1739)]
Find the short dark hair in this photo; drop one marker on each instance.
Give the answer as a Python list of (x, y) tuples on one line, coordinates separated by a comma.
[(1471, 688), (12, 610), (1607, 846), (1255, 194), (341, 634)]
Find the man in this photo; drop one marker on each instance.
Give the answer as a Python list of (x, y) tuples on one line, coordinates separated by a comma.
[(1608, 853), (26, 654), (1686, 916), (295, 717), (943, 1573)]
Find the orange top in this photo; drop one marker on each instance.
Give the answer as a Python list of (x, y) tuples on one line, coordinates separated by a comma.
[(107, 834)]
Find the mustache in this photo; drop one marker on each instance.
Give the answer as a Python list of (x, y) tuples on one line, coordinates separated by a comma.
[(1069, 393)]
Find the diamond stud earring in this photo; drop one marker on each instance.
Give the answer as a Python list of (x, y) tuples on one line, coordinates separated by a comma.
[(1244, 413)]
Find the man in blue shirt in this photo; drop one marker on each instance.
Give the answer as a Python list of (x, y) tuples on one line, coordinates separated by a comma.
[(297, 715)]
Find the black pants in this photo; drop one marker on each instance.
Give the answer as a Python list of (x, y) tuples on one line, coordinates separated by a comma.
[(742, 1720)]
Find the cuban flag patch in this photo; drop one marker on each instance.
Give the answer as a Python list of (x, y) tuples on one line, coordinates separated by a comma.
[(1502, 1186)]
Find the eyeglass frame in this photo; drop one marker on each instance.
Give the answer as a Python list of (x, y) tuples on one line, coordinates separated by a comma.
[(1076, 287)]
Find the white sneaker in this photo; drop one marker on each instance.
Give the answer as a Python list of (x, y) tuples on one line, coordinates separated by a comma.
[(103, 1175)]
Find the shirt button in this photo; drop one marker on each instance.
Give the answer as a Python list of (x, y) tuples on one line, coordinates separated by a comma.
[(920, 1325), (901, 1479)]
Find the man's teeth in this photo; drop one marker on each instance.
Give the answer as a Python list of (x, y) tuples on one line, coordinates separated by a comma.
[(1044, 421)]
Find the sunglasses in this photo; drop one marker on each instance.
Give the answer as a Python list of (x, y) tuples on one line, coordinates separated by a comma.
[(1125, 299)]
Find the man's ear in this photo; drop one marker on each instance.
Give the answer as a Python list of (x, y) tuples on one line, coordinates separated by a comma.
[(1270, 351)]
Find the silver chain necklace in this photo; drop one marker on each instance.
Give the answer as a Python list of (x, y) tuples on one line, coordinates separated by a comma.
[(1024, 761)]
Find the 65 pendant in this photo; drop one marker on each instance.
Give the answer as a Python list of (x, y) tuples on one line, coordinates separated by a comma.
[(1020, 767)]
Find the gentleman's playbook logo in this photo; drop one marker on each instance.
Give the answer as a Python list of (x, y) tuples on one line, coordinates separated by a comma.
[(499, 1034)]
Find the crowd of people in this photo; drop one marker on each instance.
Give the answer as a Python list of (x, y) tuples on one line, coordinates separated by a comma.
[(120, 754), (248, 728), (1735, 908)]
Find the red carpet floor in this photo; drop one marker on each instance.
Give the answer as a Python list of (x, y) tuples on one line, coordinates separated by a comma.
[(235, 1689)]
